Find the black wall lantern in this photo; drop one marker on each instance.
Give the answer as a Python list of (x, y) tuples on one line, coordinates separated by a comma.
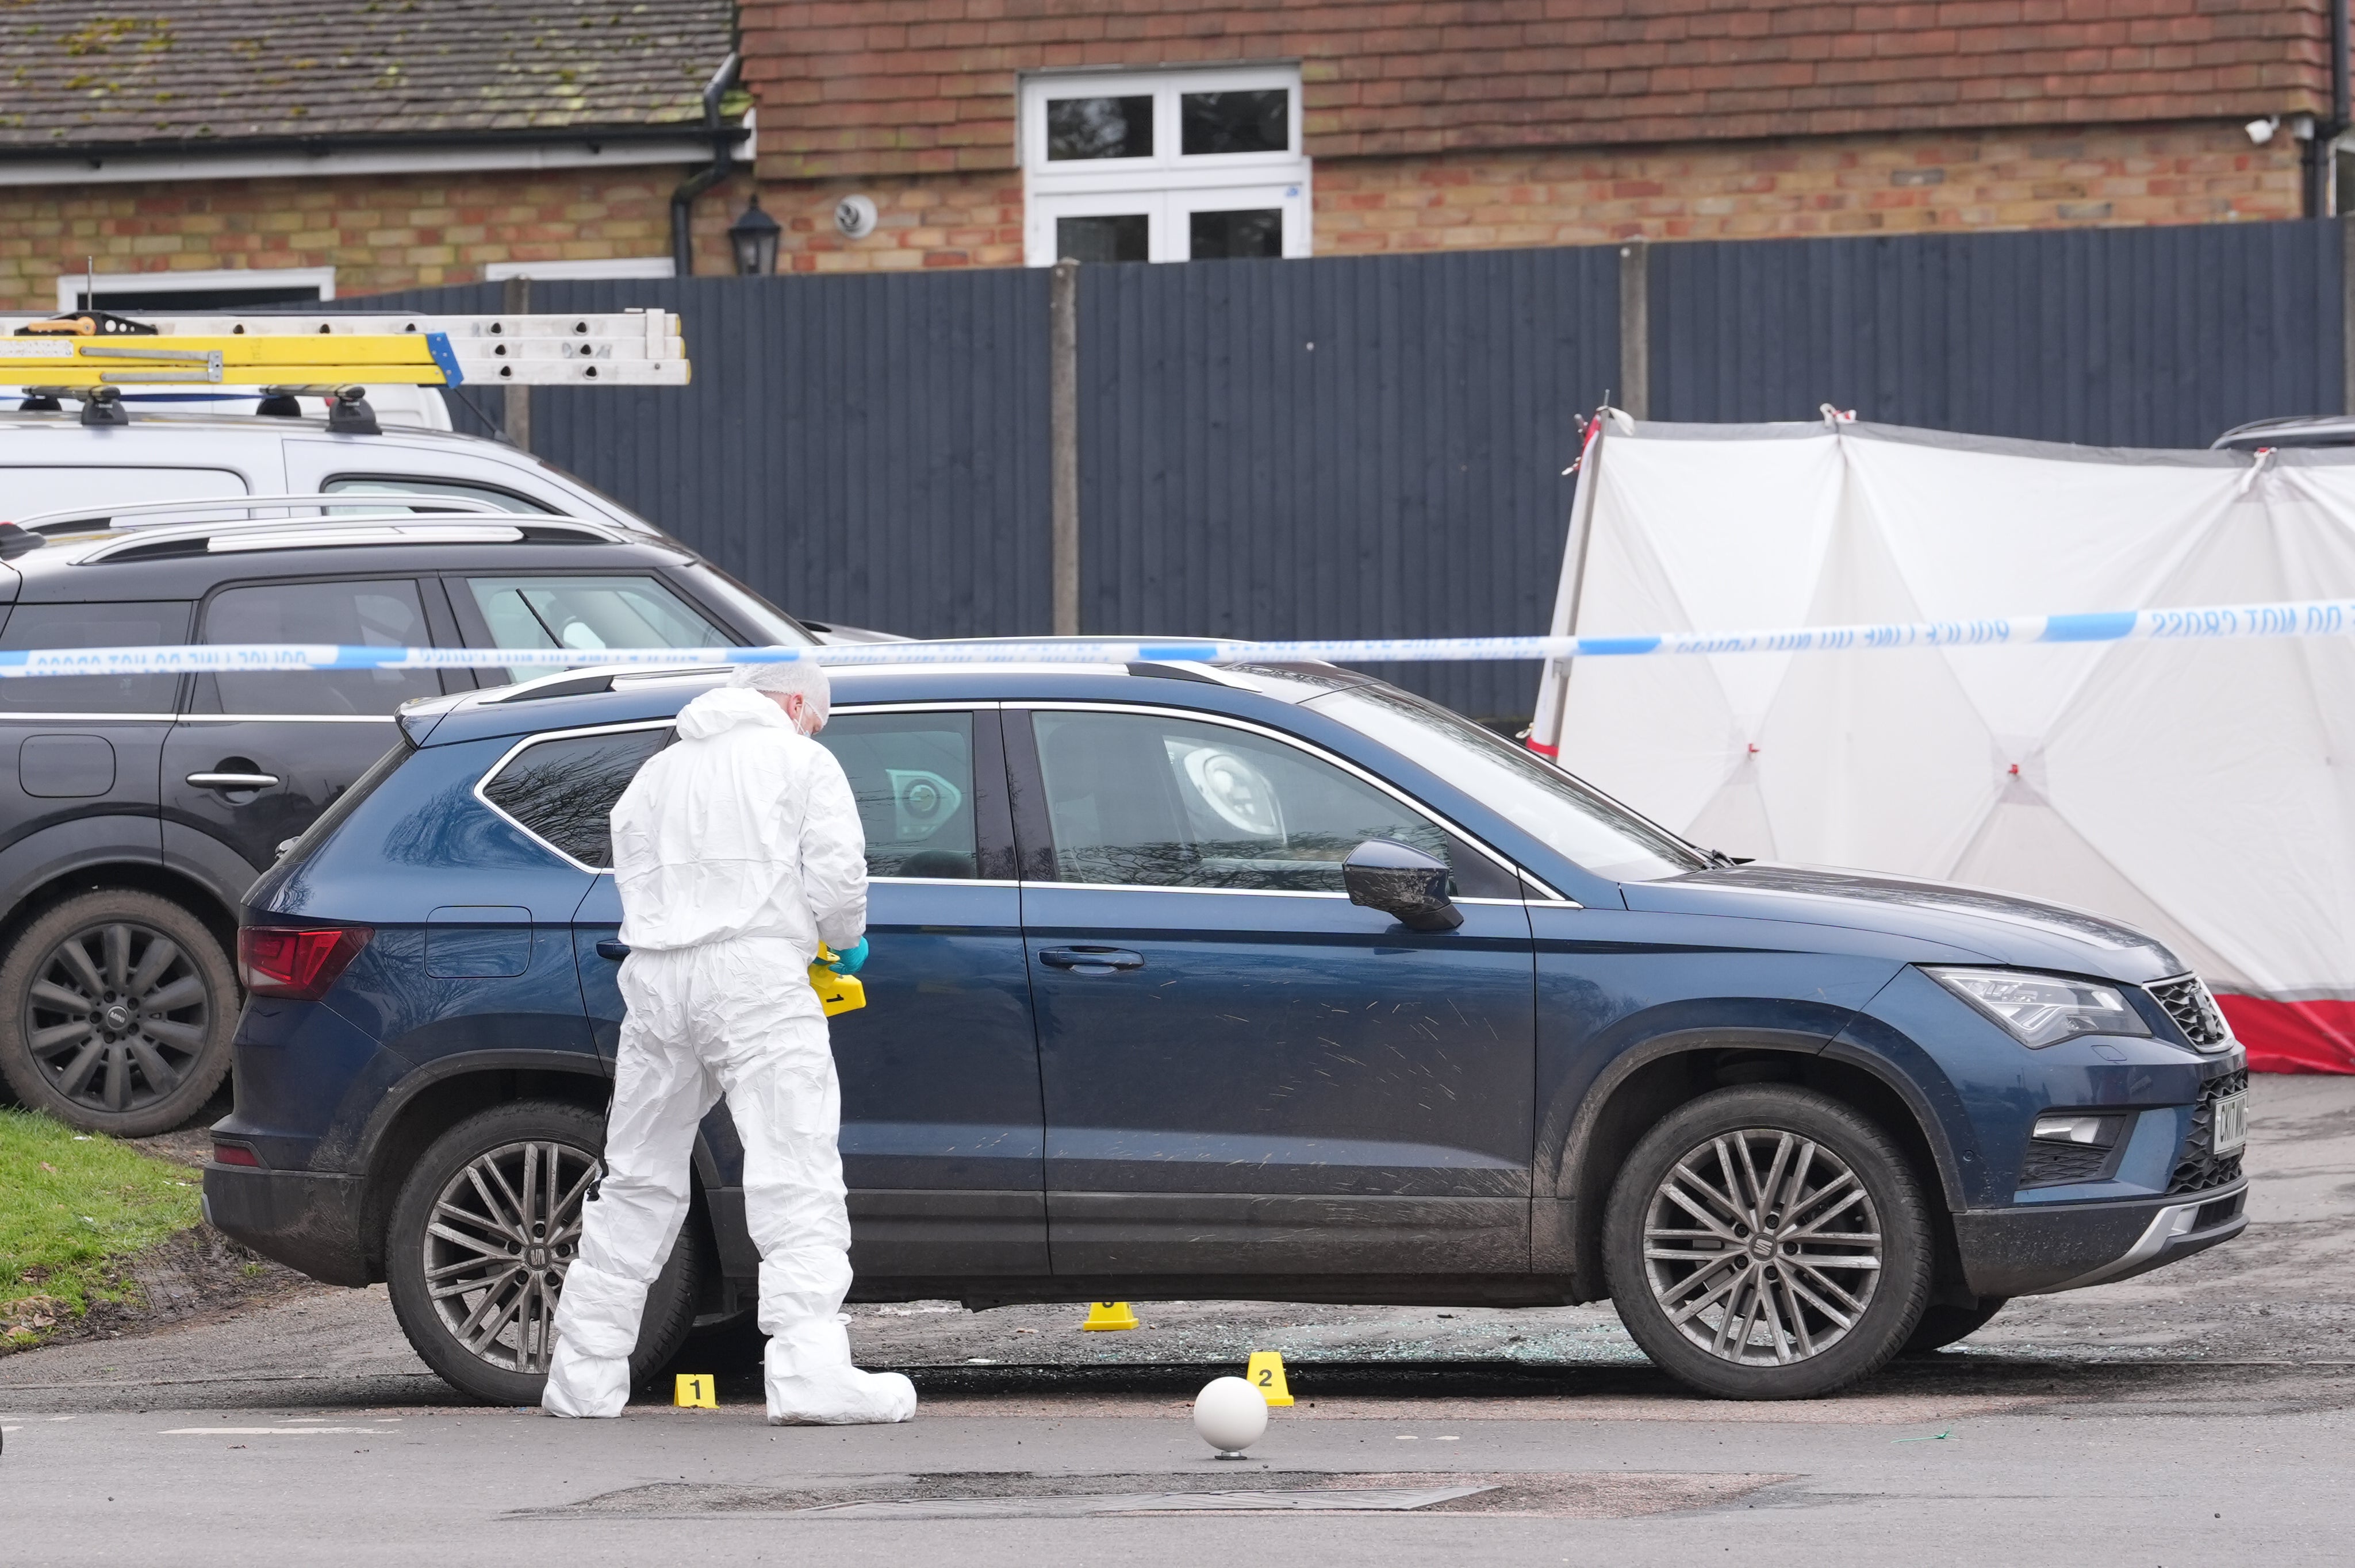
[(754, 236)]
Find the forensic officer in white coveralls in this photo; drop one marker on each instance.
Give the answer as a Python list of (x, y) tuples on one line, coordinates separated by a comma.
[(737, 849)]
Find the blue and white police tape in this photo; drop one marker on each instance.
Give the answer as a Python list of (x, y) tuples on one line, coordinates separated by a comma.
[(2312, 618)]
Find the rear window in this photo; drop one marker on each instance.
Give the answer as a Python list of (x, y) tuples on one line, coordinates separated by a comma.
[(32, 490), (562, 790), (377, 613), (139, 623)]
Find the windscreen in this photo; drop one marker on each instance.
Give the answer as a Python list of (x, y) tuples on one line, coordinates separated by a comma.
[(1585, 825)]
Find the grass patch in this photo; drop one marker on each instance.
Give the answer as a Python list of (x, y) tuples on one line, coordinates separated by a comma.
[(69, 1202)]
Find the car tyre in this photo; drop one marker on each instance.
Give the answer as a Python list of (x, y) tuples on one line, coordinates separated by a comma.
[(1767, 1241), (481, 1235), (1942, 1325), (117, 1007)]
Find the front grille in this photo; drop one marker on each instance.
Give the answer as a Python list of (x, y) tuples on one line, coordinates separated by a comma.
[(2198, 1168), (2054, 1164), (2195, 1012)]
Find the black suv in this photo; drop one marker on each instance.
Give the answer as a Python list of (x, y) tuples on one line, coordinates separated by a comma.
[(135, 811)]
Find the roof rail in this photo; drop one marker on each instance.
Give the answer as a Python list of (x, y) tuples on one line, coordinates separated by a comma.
[(578, 682), (326, 533), (111, 514)]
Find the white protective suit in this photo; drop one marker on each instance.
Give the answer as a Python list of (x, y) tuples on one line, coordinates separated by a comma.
[(736, 848)]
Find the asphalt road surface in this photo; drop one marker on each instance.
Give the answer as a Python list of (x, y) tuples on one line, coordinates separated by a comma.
[(2201, 1414)]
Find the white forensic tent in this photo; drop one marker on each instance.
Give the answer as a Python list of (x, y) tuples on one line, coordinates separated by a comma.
[(2203, 791)]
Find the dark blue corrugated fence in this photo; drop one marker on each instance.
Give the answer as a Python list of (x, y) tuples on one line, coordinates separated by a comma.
[(1371, 446), (1344, 448), (2146, 337)]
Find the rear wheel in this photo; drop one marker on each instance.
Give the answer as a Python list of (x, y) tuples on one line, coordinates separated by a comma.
[(116, 1013), (485, 1229), (1767, 1243)]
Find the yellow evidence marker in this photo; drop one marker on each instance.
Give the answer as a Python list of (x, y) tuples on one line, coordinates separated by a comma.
[(1266, 1374), (836, 993), (1104, 1315), (695, 1391)]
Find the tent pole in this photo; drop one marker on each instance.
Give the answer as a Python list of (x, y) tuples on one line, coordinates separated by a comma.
[(1553, 684)]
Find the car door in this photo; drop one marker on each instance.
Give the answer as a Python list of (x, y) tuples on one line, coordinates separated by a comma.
[(257, 754), (1245, 1073), (81, 752), (942, 1129)]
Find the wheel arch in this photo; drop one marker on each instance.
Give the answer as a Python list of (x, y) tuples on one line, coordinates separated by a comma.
[(1648, 1080), (444, 1093), (101, 872)]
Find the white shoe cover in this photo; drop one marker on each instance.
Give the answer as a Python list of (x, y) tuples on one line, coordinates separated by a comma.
[(811, 1381), (579, 1384)]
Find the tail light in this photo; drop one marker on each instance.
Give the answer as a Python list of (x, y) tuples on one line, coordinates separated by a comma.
[(296, 961), (235, 1154)]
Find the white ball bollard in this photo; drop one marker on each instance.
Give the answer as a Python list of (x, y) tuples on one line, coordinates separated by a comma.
[(1230, 1415)]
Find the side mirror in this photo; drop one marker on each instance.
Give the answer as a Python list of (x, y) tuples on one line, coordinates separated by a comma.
[(1401, 881)]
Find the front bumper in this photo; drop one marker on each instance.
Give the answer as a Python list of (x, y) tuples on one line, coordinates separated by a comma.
[(2035, 1249), (309, 1221)]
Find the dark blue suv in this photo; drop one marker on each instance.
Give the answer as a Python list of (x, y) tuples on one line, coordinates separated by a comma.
[(1253, 983)]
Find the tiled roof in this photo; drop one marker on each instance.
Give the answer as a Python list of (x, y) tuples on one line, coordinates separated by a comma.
[(866, 86), (77, 73)]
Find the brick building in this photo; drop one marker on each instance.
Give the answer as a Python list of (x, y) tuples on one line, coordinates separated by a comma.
[(213, 153), (992, 133)]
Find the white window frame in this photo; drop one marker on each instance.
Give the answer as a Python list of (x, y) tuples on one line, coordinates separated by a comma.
[(70, 284), (617, 266), (1168, 186)]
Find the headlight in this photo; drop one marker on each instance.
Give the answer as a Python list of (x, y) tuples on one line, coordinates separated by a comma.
[(2043, 1010)]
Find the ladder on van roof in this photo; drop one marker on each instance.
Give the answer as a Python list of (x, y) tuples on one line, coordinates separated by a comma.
[(302, 354)]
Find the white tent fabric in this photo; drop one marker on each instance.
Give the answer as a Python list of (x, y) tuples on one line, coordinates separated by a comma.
[(2202, 791)]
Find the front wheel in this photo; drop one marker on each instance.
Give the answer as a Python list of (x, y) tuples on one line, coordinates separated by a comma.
[(1767, 1241), (480, 1237)]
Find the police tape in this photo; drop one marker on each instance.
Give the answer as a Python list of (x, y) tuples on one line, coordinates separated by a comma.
[(2310, 618)]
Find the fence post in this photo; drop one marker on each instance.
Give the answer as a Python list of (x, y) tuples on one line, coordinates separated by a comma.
[(1635, 328), (515, 423), (1063, 451), (2347, 314)]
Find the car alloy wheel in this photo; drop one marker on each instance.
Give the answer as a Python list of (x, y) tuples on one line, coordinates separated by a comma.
[(480, 1239), (1762, 1248), (116, 1011), (505, 1228), (1766, 1241), (117, 1016)]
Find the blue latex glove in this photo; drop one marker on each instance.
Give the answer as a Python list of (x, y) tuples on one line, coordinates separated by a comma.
[(847, 962)]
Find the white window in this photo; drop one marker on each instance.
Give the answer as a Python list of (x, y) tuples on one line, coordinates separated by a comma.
[(1180, 165), (224, 289)]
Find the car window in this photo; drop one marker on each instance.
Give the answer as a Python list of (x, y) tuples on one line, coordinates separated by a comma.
[(563, 789), (143, 623), (1586, 826), (1155, 801), (588, 612), (765, 623), (400, 485), (385, 613), (912, 777), (32, 490)]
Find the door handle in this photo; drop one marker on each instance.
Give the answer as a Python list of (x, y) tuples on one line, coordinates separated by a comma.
[(1091, 961), (233, 780), (608, 947)]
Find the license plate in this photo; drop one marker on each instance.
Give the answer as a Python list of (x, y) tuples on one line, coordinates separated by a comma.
[(2232, 1123)]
